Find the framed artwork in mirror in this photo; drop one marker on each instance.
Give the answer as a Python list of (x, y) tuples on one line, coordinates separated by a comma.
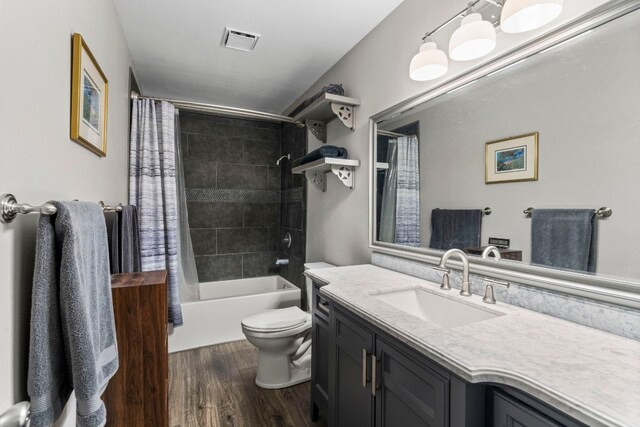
[(89, 99), (512, 159)]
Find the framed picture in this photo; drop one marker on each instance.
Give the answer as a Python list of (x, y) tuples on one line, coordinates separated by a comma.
[(89, 96), (512, 159)]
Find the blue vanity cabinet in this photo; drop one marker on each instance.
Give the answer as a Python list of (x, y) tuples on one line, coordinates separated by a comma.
[(511, 408), (351, 396), (320, 338), (408, 393), (374, 381), (362, 376)]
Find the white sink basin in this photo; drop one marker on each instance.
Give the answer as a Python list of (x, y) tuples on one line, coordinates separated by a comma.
[(431, 307)]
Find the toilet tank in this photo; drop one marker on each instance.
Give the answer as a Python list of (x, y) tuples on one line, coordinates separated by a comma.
[(309, 282)]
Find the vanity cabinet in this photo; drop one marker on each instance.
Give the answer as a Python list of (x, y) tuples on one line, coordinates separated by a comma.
[(362, 376), (408, 393), (511, 408), (374, 383), (351, 389), (320, 338)]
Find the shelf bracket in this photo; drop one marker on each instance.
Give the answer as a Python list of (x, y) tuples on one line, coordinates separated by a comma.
[(345, 113), (345, 174), (317, 179), (317, 128)]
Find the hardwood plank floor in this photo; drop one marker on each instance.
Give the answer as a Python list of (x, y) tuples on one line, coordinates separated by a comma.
[(214, 387)]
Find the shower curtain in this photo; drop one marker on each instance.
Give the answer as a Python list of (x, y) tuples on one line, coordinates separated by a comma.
[(152, 188), (408, 193), (388, 209), (187, 272), (400, 213)]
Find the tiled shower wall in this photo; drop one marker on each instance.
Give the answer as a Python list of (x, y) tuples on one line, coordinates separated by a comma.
[(293, 206), (233, 190)]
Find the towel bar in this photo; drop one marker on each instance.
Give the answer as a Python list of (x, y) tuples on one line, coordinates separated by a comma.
[(603, 212), (10, 208), (108, 208)]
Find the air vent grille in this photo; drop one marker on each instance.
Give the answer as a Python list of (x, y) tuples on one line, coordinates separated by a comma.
[(239, 40)]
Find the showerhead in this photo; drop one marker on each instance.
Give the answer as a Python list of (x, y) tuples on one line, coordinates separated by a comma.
[(288, 157)]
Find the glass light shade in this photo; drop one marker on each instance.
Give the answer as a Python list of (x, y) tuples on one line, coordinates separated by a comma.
[(474, 39), (428, 64), (519, 16)]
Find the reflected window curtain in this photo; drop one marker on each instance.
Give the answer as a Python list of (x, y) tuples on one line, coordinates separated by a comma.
[(388, 208), (152, 188), (408, 193), (187, 273)]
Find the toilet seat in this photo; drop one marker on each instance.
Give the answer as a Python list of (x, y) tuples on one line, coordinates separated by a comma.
[(278, 320)]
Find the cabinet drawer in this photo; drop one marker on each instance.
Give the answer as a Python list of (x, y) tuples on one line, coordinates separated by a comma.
[(509, 412), (320, 305)]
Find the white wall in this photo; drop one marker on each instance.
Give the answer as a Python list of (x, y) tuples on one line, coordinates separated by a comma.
[(39, 161), (377, 72)]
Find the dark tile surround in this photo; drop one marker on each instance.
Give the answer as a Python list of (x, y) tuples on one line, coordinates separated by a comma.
[(240, 203)]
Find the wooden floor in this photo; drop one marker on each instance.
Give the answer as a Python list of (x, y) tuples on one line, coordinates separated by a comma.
[(214, 386)]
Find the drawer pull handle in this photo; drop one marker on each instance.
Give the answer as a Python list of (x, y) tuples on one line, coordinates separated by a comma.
[(373, 374), (323, 306), (364, 368)]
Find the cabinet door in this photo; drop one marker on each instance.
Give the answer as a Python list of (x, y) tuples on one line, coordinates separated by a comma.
[(351, 394), (410, 394), (509, 412), (319, 367)]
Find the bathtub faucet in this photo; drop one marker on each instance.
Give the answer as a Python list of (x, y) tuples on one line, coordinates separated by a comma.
[(282, 261)]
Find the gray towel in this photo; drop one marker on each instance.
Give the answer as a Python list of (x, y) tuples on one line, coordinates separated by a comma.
[(130, 240), (564, 238), (455, 228), (73, 340), (325, 151), (112, 220)]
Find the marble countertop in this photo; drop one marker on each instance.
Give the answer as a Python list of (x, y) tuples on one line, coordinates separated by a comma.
[(588, 374)]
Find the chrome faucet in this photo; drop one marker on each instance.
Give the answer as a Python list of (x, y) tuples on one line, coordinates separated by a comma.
[(465, 271), (489, 250), (281, 261)]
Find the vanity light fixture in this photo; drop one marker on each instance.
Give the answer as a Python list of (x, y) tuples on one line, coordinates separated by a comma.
[(519, 16), (474, 39), (428, 64)]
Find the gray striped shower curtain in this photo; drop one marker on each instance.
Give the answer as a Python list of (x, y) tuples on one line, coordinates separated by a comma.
[(152, 188)]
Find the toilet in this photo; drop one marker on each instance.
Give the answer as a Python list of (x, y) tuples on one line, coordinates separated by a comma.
[(283, 339)]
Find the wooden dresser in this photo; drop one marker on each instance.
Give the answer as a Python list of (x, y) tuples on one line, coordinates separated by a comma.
[(138, 393)]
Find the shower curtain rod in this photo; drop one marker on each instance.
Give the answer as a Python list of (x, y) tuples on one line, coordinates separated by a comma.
[(220, 109), (388, 133)]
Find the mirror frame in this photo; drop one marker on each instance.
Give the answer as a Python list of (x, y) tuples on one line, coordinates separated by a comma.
[(625, 292)]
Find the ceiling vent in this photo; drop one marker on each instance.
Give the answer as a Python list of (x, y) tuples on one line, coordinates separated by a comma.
[(239, 40)]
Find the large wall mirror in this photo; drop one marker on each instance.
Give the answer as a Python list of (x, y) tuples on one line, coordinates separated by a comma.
[(553, 126)]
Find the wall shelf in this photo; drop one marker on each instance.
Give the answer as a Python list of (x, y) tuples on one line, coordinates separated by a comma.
[(316, 171), (325, 109)]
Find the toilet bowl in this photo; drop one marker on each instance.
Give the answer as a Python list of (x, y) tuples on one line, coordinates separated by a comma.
[(283, 339)]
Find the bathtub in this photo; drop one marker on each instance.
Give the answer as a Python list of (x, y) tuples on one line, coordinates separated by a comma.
[(216, 317)]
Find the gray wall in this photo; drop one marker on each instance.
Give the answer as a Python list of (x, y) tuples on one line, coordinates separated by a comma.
[(40, 162), (233, 194)]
